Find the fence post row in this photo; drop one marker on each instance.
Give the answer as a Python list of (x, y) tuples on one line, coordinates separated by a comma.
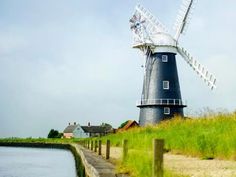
[(158, 150), (108, 149)]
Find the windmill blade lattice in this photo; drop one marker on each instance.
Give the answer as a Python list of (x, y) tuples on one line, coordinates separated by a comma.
[(208, 78), (183, 17), (152, 23)]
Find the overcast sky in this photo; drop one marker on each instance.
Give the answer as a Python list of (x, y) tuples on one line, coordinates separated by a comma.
[(63, 61)]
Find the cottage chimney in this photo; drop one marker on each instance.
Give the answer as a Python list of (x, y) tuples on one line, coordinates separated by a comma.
[(74, 123), (88, 124)]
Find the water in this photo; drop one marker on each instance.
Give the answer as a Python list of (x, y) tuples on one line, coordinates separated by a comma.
[(36, 162)]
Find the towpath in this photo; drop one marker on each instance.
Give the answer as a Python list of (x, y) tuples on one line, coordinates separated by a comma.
[(95, 165), (193, 167)]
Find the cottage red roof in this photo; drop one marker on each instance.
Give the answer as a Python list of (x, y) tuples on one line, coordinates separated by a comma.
[(129, 124)]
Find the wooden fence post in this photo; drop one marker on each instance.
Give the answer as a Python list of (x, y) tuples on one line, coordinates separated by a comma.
[(108, 149), (125, 149), (95, 146), (91, 144), (88, 144), (157, 165), (100, 147)]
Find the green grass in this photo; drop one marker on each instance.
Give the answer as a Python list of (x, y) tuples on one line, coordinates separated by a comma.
[(139, 164), (38, 140), (207, 138)]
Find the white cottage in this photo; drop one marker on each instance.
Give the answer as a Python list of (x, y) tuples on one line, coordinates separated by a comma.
[(74, 131)]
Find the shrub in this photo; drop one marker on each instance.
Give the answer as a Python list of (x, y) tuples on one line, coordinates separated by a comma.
[(54, 134)]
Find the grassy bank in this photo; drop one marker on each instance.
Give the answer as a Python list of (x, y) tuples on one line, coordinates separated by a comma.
[(211, 137), (37, 140)]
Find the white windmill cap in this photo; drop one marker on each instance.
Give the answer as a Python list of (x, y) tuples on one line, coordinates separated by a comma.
[(163, 39), (164, 42)]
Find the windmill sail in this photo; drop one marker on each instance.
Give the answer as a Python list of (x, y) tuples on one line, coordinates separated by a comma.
[(184, 17), (208, 78), (153, 24)]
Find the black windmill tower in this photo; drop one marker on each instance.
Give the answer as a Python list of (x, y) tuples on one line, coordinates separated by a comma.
[(161, 96)]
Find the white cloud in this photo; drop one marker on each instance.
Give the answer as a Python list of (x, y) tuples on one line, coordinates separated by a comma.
[(73, 61)]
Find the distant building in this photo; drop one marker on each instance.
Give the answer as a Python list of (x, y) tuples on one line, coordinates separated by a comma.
[(74, 131), (77, 131), (130, 124)]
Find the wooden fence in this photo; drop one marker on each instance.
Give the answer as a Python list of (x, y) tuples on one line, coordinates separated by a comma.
[(158, 151)]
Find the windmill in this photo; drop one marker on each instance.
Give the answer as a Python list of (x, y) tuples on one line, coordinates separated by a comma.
[(161, 96)]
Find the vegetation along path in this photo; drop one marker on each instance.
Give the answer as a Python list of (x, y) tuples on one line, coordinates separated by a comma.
[(189, 166), (210, 137)]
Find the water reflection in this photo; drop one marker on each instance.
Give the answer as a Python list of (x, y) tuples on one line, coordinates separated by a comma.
[(36, 162)]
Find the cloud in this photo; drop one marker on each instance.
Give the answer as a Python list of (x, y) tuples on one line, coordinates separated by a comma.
[(72, 61)]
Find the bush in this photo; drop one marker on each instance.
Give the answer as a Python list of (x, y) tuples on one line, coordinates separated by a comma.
[(54, 134)]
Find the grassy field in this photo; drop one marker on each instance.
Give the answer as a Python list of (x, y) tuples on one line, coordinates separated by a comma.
[(207, 138)]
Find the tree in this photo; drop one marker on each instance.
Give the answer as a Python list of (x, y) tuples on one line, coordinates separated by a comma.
[(106, 126), (54, 134), (123, 124)]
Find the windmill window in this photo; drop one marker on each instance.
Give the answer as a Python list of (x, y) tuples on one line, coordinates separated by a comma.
[(164, 58), (166, 85), (166, 110)]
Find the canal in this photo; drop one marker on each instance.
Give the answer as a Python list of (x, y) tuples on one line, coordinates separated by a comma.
[(36, 162)]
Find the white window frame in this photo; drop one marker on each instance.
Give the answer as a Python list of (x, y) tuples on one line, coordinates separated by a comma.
[(164, 58), (166, 85), (166, 110)]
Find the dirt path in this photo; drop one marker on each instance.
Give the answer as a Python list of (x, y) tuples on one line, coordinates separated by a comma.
[(192, 167), (195, 167)]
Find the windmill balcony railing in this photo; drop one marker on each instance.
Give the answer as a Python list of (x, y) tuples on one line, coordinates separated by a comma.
[(171, 102)]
